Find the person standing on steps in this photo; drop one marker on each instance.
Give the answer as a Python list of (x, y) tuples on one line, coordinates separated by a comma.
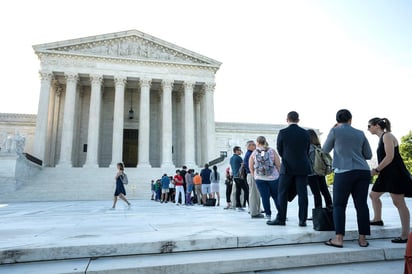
[(293, 145), (352, 177), (120, 190), (254, 197), (240, 183), (264, 165), (317, 183), (393, 177), (215, 184)]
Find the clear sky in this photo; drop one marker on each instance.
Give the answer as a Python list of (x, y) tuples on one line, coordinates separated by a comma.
[(314, 56)]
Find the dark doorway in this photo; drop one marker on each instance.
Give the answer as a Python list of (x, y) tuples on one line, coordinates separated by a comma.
[(130, 147)]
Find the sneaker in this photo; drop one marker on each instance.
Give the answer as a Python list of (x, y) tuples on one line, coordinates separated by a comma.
[(240, 209), (268, 217)]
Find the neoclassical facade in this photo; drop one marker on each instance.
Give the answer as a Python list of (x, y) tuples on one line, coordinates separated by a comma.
[(124, 97)]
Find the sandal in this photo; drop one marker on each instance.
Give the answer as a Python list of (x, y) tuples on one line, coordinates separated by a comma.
[(330, 243), (399, 240), (366, 244)]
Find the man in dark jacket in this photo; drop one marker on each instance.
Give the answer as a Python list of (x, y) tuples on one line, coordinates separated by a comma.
[(293, 145), (241, 184)]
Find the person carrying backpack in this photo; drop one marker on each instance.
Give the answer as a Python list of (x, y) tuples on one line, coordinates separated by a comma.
[(264, 165), (316, 181)]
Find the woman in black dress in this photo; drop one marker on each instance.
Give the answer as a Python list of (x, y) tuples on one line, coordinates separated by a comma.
[(393, 177), (120, 190)]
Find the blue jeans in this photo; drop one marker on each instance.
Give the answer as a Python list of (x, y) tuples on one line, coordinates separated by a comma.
[(268, 189), (355, 183)]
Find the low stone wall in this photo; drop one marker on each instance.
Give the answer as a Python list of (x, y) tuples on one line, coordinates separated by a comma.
[(25, 171), (7, 171)]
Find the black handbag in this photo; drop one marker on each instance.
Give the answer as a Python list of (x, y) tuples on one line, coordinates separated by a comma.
[(322, 219), (210, 202)]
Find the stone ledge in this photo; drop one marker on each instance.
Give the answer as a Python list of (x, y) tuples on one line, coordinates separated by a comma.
[(222, 261)]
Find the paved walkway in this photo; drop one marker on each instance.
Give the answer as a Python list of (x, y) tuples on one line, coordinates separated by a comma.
[(62, 230)]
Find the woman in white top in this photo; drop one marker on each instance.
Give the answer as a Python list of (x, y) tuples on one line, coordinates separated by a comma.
[(215, 180), (264, 165)]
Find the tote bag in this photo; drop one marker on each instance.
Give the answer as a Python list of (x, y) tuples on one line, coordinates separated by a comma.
[(322, 219)]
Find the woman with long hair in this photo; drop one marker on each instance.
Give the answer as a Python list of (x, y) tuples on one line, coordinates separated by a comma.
[(120, 190), (215, 181), (317, 183), (393, 177)]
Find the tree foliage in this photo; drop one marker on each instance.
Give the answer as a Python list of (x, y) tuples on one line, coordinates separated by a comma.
[(405, 149)]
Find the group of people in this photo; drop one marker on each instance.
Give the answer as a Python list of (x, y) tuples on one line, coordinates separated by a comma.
[(266, 173), (278, 173), (188, 187)]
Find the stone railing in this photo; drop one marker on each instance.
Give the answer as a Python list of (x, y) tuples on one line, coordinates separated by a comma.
[(27, 167)]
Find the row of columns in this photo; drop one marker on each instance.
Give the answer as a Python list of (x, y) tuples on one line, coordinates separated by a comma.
[(118, 121)]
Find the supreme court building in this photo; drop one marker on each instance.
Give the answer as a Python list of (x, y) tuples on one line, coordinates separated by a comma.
[(124, 97)]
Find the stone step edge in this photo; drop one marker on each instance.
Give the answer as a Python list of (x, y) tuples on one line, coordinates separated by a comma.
[(228, 260), (37, 254)]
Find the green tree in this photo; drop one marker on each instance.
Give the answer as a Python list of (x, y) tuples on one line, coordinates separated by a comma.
[(405, 149)]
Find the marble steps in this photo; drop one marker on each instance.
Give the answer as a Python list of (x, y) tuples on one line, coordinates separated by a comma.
[(228, 260), (54, 184), (74, 245)]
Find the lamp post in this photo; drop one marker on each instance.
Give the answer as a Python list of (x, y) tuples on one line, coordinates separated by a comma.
[(131, 112)]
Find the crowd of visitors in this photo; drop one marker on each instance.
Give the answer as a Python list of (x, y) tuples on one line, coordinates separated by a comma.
[(279, 174)]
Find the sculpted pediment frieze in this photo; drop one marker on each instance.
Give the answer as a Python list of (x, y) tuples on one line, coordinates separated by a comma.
[(131, 47)]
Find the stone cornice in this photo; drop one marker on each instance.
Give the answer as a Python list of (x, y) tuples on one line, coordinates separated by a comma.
[(17, 118), (73, 59)]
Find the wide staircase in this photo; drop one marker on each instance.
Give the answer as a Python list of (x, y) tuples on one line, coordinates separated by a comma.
[(86, 237)]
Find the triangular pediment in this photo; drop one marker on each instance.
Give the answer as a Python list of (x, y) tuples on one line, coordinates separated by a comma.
[(128, 45)]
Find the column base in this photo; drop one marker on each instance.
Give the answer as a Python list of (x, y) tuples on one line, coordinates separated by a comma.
[(167, 165), (144, 165), (64, 165), (90, 166), (191, 165)]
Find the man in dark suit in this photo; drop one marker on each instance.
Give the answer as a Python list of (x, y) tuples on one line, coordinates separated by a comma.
[(293, 145)]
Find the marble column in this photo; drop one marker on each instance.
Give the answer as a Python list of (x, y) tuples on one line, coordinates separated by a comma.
[(198, 127), (55, 125), (204, 116), (167, 87), (40, 139), (66, 149), (189, 125), (118, 121), (210, 121), (93, 133), (144, 124)]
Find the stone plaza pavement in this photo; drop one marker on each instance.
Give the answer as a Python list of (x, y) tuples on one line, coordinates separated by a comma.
[(150, 237)]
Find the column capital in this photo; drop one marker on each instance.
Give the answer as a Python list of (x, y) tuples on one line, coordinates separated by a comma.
[(189, 85), (46, 75), (166, 83), (120, 80), (96, 79), (209, 87), (145, 82), (71, 77)]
